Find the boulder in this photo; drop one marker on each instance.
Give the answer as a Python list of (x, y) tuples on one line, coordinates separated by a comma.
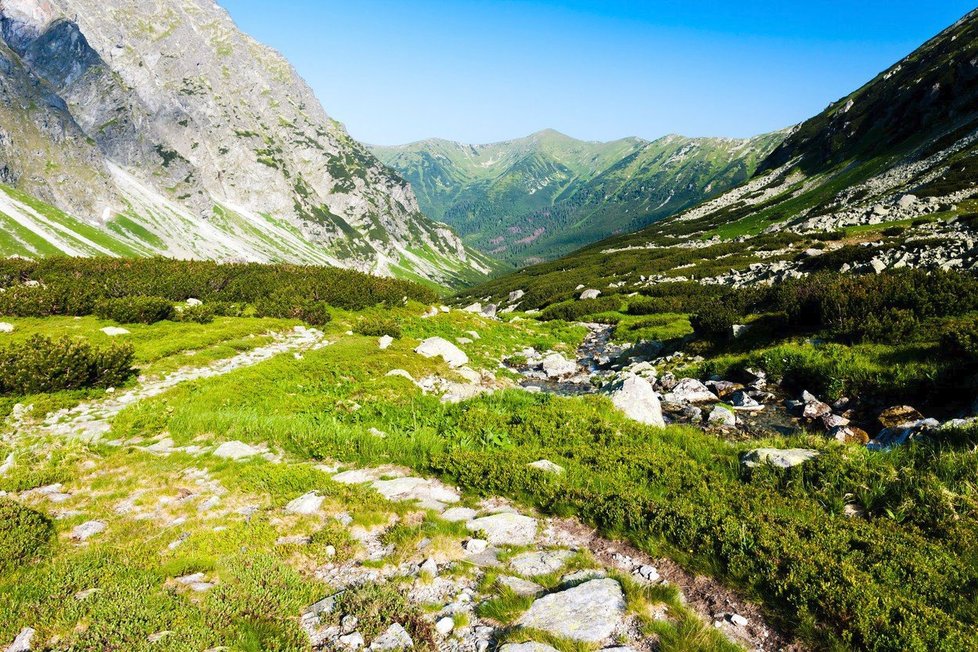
[(590, 294), (458, 514), (436, 347), (690, 390), (722, 417), (385, 342), (830, 421), (812, 408), (114, 331), (6, 327), (532, 564), (516, 295), (192, 302), (395, 638), (739, 330), (475, 308), (907, 202), (520, 586), (636, 399), (848, 434), (723, 388), (23, 641), (744, 401), (236, 450), (557, 366), (306, 504), (547, 467), (88, 530), (506, 529), (782, 458), (897, 416), (589, 612)]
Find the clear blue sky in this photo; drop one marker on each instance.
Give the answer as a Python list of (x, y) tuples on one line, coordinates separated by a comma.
[(477, 71)]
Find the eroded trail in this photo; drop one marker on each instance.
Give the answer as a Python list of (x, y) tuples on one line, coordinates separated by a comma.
[(91, 420)]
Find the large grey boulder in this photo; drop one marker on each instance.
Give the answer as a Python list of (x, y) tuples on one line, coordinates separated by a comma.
[(590, 612), (557, 366), (590, 294), (505, 529), (437, 347), (690, 390), (636, 399), (306, 504), (532, 564), (782, 458)]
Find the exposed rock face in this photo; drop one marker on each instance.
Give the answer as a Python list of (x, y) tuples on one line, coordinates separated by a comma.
[(166, 113), (590, 612), (637, 400)]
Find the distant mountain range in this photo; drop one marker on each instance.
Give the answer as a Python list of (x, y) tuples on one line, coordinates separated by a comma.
[(158, 128), (539, 197)]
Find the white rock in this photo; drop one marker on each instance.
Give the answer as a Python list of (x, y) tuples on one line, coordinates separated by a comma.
[(87, 530), (439, 347), (739, 620), (113, 331), (533, 564), (506, 529), (636, 399), (385, 342), (395, 638), (476, 546), (520, 586), (590, 294), (557, 366), (429, 567), (777, 457), (7, 465), (445, 626), (6, 327), (352, 641), (23, 641), (590, 612), (530, 646), (547, 467), (475, 308), (459, 514), (236, 450), (723, 417), (516, 295), (309, 503), (194, 302), (690, 390)]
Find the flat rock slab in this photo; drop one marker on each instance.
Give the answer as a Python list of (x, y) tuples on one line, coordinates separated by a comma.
[(506, 529), (395, 638), (531, 646), (784, 459), (236, 450), (430, 493), (520, 586), (308, 504), (87, 530), (533, 564), (438, 347), (459, 514), (363, 476), (636, 399), (590, 612)]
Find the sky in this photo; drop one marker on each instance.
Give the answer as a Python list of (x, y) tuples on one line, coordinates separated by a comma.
[(480, 71)]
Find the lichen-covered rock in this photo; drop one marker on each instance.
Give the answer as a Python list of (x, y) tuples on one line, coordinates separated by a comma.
[(636, 399), (590, 612), (506, 529), (783, 458)]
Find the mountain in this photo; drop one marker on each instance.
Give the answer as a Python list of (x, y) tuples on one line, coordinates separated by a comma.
[(890, 170), (170, 132), (545, 195)]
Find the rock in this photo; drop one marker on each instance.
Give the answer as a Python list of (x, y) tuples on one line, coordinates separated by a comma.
[(490, 310), (400, 373), (830, 421), (744, 401), (23, 641), (898, 436), (7, 465), (544, 562), (590, 294), (520, 586), (114, 331), (197, 582), (385, 342), (458, 514), (636, 399), (589, 612), (529, 646), (6, 327), (88, 530), (898, 416), (429, 567), (739, 330), (848, 434), (649, 573), (435, 347), (516, 295), (812, 408), (294, 540), (723, 388), (430, 493), (307, 504), (907, 202), (395, 638), (557, 366), (690, 390), (236, 450), (739, 620), (475, 308), (445, 626), (547, 467), (782, 458), (506, 529), (722, 417), (352, 641), (878, 265), (192, 302), (475, 546)]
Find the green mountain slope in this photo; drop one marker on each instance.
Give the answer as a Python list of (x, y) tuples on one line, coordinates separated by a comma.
[(545, 195), (891, 169)]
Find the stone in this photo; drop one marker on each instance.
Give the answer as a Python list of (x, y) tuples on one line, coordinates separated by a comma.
[(782, 458), (557, 366), (590, 294), (352, 641), (723, 388), (744, 401), (739, 620), (533, 564), (400, 373), (812, 408), (307, 504), (475, 308), (907, 202), (23, 641), (196, 582), (395, 638), (385, 342), (739, 330), (88, 530), (475, 546), (690, 390), (429, 567), (459, 514), (520, 586), (589, 612), (435, 347), (506, 529), (830, 421), (849, 434), (430, 494), (722, 417), (192, 302), (445, 625), (530, 646), (547, 467), (6, 327), (635, 397), (649, 573), (236, 450), (114, 331), (516, 295), (898, 416)]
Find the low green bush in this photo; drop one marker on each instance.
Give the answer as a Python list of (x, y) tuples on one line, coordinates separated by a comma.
[(25, 535), (960, 339), (715, 325), (42, 365), (575, 310), (136, 310), (376, 326), (199, 314)]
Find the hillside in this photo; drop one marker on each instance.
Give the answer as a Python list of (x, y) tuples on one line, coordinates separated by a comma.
[(166, 126), (545, 195)]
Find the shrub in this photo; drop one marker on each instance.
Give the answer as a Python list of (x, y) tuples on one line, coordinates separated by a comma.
[(135, 310), (574, 310), (42, 365), (894, 231), (960, 339), (199, 314), (25, 535), (715, 325), (378, 327)]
